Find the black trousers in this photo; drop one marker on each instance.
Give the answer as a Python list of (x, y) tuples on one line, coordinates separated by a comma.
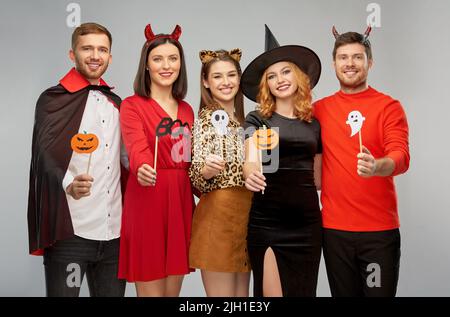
[(362, 264), (67, 261)]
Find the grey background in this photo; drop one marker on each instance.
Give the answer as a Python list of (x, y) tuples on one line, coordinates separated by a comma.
[(411, 50)]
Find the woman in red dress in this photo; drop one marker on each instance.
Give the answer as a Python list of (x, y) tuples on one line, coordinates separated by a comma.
[(157, 215)]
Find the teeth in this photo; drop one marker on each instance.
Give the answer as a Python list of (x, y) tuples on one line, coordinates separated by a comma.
[(283, 87)]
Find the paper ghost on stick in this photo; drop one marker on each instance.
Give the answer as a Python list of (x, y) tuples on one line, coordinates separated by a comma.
[(220, 120), (355, 120)]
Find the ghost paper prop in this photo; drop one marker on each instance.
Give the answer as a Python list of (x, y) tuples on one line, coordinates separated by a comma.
[(220, 120), (355, 121)]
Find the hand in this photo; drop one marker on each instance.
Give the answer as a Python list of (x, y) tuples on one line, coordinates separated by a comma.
[(367, 164), (80, 187), (255, 181), (214, 164), (146, 175)]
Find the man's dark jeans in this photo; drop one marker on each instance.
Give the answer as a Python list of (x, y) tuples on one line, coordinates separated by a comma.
[(67, 261)]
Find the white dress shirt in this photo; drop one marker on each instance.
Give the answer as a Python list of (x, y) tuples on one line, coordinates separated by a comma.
[(98, 216)]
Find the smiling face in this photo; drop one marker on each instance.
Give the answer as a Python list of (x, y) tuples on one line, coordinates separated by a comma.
[(91, 56), (352, 67), (281, 80), (164, 64), (222, 81)]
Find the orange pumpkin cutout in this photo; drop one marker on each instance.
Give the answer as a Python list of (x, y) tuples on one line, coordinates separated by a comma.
[(84, 143), (266, 139)]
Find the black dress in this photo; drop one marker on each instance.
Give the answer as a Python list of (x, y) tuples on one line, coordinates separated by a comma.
[(287, 216)]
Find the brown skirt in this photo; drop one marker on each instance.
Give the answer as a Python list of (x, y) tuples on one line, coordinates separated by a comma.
[(219, 231)]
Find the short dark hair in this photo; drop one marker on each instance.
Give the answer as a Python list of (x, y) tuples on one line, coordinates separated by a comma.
[(89, 28), (142, 81), (350, 38)]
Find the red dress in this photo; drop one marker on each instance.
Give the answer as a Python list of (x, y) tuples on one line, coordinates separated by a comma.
[(156, 220)]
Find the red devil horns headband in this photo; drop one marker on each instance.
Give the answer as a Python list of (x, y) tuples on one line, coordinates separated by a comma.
[(365, 36), (150, 36)]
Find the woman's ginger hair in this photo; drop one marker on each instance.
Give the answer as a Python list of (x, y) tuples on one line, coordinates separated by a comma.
[(302, 99)]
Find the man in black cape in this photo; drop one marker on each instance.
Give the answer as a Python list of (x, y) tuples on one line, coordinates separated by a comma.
[(74, 217)]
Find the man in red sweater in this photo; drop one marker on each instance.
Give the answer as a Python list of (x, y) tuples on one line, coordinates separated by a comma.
[(365, 144)]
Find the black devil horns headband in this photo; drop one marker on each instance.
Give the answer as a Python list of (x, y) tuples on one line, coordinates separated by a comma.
[(365, 35)]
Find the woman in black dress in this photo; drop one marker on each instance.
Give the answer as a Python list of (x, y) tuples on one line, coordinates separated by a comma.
[(284, 230)]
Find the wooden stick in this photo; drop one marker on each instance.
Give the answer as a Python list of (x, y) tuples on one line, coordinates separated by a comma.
[(260, 151), (221, 147), (260, 164), (360, 142), (89, 163), (156, 153)]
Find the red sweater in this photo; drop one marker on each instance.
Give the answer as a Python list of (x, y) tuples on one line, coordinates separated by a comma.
[(350, 202)]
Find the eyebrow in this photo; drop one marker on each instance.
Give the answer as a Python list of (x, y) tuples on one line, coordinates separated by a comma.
[(229, 72), (356, 54), (159, 55), (92, 46), (284, 68)]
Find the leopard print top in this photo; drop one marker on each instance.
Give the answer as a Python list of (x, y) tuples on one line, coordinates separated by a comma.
[(230, 147)]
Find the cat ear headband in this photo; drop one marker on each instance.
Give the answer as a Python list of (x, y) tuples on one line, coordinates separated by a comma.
[(207, 56)]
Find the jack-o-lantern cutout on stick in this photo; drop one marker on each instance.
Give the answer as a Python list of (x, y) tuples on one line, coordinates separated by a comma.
[(84, 144), (265, 139)]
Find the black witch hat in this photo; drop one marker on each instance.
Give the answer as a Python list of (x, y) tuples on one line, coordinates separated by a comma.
[(303, 57)]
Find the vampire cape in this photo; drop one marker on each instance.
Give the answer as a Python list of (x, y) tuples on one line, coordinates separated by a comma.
[(58, 115)]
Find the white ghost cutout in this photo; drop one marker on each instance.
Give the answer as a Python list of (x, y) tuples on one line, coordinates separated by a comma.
[(219, 120), (355, 121)]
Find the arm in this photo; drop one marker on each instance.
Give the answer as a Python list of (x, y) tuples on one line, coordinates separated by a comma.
[(318, 171), (368, 166), (136, 143), (205, 165), (80, 186), (124, 156), (254, 179), (396, 135), (396, 148)]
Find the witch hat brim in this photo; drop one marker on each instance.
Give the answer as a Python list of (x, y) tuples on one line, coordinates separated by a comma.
[(305, 58)]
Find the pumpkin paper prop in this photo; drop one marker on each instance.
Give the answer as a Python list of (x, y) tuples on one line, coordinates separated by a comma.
[(355, 120), (265, 139), (84, 144)]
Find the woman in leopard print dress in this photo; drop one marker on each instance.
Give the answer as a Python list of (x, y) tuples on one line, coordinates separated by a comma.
[(218, 242)]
